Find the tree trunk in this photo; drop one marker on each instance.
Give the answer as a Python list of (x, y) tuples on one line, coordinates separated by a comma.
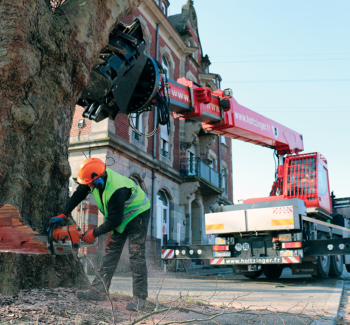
[(45, 62)]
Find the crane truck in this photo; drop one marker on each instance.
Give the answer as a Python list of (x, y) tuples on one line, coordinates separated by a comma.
[(299, 225)]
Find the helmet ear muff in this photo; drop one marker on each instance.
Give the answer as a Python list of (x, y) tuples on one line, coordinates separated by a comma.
[(98, 182)]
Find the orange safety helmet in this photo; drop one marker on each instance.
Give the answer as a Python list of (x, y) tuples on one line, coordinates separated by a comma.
[(87, 168)]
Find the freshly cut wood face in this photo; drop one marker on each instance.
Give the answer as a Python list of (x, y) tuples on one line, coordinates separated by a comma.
[(16, 236)]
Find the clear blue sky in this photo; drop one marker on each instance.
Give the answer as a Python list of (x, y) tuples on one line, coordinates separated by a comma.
[(289, 61)]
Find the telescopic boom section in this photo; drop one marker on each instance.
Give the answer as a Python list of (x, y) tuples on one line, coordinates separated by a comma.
[(222, 115), (246, 125)]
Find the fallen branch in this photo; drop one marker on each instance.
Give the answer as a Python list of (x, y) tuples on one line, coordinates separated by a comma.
[(104, 285), (157, 301)]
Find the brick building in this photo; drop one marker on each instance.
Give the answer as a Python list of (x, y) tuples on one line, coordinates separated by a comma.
[(185, 174)]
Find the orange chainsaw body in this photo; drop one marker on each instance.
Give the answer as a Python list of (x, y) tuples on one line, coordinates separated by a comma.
[(70, 233), (63, 240)]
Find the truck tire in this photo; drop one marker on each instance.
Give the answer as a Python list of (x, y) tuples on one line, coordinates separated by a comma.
[(272, 271), (347, 266), (253, 275), (336, 268), (323, 262)]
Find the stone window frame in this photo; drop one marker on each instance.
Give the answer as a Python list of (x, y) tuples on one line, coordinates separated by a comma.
[(167, 53), (146, 34), (138, 124), (165, 140), (163, 5), (143, 142), (168, 160), (224, 143), (212, 154), (190, 76), (224, 166), (166, 64)]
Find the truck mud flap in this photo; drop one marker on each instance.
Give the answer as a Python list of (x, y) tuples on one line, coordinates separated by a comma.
[(304, 268)]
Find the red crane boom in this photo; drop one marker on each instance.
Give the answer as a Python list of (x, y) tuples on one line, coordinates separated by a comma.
[(234, 120), (303, 176)]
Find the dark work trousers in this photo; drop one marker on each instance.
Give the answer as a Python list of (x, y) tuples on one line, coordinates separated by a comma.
[(136, 231)]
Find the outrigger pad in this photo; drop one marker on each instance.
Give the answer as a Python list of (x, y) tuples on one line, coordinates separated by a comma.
[(16, 236)]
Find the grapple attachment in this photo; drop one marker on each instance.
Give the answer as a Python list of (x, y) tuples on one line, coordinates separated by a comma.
[(124, 79)]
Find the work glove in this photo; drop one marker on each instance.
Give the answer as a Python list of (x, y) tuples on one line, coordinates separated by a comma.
[(58, 219), (88, 237)]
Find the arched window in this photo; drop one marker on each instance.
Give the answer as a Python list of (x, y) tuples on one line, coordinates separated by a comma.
[(166, 65), (137, 120), (162, 215)]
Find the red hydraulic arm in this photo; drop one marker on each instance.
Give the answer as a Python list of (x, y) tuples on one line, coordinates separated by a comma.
[(222, 115), (303, 176)]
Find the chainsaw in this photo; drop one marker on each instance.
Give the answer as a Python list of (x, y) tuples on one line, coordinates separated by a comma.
[(62, 240), (18, 237)]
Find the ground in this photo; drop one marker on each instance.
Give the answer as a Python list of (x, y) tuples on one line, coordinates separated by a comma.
[(61, 306), (230, 297), (344, 309)]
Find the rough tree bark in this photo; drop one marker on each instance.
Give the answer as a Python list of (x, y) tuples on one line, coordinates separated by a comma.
[(45, 62)]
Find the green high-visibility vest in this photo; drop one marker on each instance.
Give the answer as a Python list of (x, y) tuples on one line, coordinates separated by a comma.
[(135, 205)]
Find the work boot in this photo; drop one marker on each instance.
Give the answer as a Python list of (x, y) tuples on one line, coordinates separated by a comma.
[(91, 295), (136, 304)]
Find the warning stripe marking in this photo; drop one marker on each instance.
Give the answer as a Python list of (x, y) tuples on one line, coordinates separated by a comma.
[(215, 227), (168, 253), (282, 222), (282, 210), (217, 261), (291, 259)]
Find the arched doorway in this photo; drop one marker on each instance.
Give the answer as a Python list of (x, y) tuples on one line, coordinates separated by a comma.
[(196, 223), (162, 215)]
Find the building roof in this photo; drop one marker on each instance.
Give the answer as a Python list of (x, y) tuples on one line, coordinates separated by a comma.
[(175, 19)]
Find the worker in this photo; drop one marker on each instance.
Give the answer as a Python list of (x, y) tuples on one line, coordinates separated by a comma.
[(126, 209)]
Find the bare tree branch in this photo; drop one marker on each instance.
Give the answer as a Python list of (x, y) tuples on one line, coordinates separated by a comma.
[(160, 288), (104, 286)]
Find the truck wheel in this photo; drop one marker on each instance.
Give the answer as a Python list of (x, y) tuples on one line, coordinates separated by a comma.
[(347, 266), (336, 268), (253, 275), (323, 262), (273, 271)]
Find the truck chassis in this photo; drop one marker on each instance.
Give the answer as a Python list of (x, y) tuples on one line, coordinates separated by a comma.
[(247, 241)]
